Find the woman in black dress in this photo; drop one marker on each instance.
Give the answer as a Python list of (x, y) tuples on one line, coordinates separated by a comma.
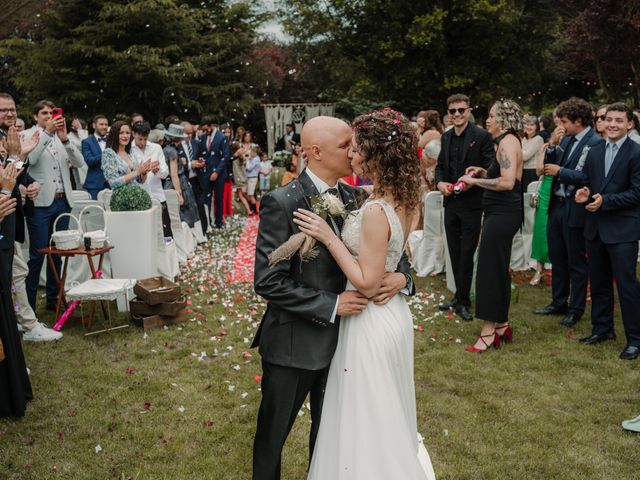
[(503, 215), (15, 388)]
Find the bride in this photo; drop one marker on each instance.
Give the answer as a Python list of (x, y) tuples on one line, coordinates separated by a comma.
[(368, 429)]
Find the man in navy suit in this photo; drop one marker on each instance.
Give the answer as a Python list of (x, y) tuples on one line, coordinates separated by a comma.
[(214, 149), (92, 148), (611, 176), (568, 147)]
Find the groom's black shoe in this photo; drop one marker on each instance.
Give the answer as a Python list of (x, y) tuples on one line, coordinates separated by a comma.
[(630, 352), (448, 306), (552, 309), (598, 338), (464, 313)]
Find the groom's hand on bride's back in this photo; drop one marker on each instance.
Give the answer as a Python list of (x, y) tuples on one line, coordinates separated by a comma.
[(351, 302)]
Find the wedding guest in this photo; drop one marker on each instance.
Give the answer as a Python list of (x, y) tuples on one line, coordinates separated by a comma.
[(214, 149), (265, 172), (428, 165), (290, 174), (178, 179), (253, 171), (240, 177), (465, 145), (49, 166), (118, 166), (544, 124), (92, 149), (447, 122), (135, 118), (239, 137), (432, 128), (599, 121), (634, 131), (227, 200), (289, 138), (243, 156), (142, 150), (15, 387), (539, 247), (20, 126), (565, 225), (503, 210), (531, 144), (196, 167), (297, 151), (611, 198)]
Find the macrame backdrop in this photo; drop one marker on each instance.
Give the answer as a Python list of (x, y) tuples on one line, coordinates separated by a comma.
[(277, 115)]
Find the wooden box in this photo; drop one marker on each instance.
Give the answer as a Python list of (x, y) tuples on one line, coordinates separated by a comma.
[(158, 321), (157, 290), (167, 309)]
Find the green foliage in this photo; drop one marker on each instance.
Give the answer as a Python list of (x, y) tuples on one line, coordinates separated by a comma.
[(151, 56), (130, 198), (281, 158), (414, 54)]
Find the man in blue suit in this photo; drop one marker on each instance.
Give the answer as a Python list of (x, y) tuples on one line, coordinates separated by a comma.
[(611, 176), (92, 148), (214, 149), (568, 147)]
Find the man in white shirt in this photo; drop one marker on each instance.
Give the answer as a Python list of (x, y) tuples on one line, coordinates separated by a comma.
[(143, 150)]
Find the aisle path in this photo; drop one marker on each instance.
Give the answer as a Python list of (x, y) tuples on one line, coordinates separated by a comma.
[(244, 258)]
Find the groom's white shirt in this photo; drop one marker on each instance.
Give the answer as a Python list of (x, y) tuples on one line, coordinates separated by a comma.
[(322, 187)]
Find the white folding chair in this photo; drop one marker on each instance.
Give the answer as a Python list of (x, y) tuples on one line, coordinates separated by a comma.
[(168, 265), (80, 195), (104, 197), (181, 235), (427, 245)]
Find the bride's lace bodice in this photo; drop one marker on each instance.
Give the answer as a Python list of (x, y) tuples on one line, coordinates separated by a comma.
[(353, 226)]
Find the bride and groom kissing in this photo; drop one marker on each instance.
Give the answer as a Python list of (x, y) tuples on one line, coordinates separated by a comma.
[(337, 326)]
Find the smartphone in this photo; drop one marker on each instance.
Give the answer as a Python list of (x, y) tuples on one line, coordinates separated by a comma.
[(56, 112)]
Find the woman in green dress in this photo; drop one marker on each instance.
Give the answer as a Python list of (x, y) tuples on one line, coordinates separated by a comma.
[(539, 248)]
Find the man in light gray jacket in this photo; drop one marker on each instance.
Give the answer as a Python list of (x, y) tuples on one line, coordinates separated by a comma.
[(49, 164)]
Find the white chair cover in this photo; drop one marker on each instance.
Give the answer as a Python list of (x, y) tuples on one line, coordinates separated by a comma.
[(104, 197), (196, 232), (521, 248), (80, 195), (427, 245), (168, 265), (181, 235)]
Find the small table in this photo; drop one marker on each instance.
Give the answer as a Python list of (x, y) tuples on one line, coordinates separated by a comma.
[(66, 254)]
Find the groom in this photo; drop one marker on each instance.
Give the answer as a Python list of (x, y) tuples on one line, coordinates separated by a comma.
[(299, 331)]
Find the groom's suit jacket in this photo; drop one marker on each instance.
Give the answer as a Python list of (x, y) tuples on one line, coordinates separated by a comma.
[(296, 330)]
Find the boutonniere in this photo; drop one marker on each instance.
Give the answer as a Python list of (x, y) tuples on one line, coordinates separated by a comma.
[(472, 144), (326, 206)]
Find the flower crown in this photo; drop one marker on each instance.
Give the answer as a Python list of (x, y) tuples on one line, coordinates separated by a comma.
[(385, 118)]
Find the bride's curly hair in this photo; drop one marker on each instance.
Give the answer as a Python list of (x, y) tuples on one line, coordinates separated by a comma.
[(389, 147)]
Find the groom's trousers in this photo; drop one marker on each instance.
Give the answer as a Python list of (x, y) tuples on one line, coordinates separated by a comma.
[(284, 390)]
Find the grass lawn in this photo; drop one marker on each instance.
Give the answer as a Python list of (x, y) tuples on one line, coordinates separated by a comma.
[(181, 402)]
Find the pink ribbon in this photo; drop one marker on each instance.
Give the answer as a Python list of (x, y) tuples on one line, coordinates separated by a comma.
[(63, 318)]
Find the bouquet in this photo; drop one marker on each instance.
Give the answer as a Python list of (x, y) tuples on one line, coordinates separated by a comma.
[(328, 207)]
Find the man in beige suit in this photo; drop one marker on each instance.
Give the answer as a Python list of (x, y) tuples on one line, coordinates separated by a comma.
[(49, 165)]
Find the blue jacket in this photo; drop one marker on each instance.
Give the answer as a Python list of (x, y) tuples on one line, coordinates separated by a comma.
[(92, 154), (216, 157), (591, 139), (618, 219)]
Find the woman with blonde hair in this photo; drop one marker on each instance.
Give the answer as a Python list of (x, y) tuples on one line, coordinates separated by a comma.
[(503, 215)]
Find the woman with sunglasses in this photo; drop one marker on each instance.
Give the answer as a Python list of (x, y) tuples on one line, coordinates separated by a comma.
[(503, 213), (598, 121)]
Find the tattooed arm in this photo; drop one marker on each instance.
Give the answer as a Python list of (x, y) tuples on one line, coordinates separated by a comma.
[(509, 158)]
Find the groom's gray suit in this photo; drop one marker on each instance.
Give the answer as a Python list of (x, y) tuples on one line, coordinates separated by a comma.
[(297, 338)]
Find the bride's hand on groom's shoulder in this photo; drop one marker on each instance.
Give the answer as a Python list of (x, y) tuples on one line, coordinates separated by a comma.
[(351, 302)]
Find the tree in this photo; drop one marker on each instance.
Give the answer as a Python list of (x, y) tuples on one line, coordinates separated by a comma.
[(151, 56), (603, 45), (414, 54)]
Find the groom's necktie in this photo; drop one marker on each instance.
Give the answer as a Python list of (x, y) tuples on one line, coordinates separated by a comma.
[(338, 218)]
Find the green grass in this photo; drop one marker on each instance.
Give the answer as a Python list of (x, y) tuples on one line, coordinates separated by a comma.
[(544, 407)]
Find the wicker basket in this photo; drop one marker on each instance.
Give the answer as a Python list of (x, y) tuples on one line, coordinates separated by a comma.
[(97, 238), (66, 239)]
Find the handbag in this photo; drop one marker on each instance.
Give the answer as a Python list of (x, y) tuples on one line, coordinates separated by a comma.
[(534, 201)]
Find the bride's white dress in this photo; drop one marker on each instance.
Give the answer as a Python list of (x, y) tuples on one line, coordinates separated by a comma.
[(368, 429)]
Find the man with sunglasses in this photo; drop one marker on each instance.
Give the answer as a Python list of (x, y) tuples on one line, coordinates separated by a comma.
[(465, 145)]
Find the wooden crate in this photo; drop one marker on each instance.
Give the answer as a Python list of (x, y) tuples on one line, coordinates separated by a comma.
[(158, 321), (157, 290), (138, 307)]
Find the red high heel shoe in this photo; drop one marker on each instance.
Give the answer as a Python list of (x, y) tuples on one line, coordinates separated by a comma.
[(507, 335), (495, 343)]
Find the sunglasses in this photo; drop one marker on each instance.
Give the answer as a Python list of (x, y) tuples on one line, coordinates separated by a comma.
[(601, 117), (452, 111)]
